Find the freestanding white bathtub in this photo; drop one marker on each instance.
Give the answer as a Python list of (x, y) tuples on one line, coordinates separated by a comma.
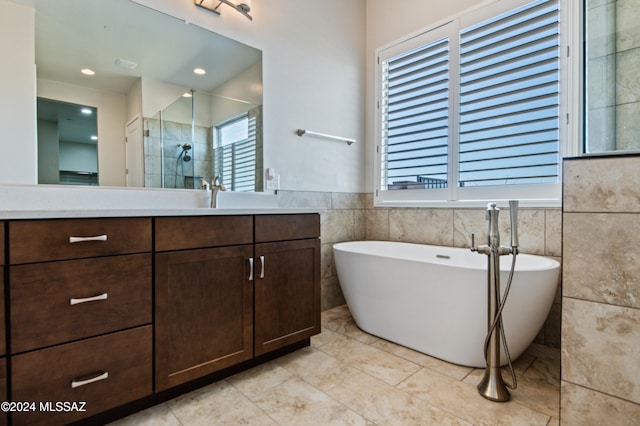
[(434, 299)]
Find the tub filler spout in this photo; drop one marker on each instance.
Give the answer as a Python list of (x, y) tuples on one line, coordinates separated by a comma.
[(492, 385)]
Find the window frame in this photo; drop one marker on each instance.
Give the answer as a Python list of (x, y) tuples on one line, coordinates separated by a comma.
[(531, 195)]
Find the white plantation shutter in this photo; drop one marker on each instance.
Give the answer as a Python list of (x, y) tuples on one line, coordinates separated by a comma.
[(473, 110), (509, 98), (235, 155), (416, 106)]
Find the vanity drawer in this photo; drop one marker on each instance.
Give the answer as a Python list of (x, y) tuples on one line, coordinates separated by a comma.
[(3, 389), (1, 243), (104, 372), (190, 232), (45, 240), (108, 294), (287, 227), (3, 348)]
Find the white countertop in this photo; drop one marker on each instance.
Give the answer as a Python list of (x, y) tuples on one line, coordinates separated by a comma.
[(77, 213), (59, 201)]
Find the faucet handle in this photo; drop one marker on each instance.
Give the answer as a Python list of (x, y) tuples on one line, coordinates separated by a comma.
[(473, 242)]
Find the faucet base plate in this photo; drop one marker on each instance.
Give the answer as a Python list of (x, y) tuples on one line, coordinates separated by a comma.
[(492, 386)]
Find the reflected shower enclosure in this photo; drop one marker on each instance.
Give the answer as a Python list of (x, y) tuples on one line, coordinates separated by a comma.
[(186, 144), (612, 83), (173, 145)]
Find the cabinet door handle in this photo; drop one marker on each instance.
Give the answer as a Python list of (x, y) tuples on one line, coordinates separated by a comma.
[(261, 266), (83, 239), (76, 383), (102, 296), (251, 269)]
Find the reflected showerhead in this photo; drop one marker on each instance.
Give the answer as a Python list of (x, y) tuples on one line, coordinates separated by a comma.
[(183, 154)]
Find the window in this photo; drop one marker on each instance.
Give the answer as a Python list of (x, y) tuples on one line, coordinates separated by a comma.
[(234, 153), (471, 110)]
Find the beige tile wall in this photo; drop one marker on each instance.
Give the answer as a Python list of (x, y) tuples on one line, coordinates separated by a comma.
[(350, 217), (601, 291)]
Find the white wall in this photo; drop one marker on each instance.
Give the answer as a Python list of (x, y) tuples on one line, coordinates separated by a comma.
[(158, 95), (236, 96), (244, 86), (313, 68), (111, 124), (18, 95), (134, 100)]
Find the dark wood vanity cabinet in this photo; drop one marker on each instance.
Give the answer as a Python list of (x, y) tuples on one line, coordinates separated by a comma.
[(114, 311), (80, 315), (3, 339), (3, 347), (287, 286)]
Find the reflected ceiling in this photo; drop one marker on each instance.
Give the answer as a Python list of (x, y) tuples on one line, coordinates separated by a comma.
[(120, 29)]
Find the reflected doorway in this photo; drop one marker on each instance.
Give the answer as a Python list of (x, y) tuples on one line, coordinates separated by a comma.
[(67, 143)]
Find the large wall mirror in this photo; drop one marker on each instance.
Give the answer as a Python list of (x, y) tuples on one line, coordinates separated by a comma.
[(164, 124)]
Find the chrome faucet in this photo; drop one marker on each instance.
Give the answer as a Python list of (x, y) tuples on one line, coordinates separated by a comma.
[(492, 385), (215, 189)]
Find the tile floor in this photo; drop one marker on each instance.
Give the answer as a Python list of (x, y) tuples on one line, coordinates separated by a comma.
[(348, 377)]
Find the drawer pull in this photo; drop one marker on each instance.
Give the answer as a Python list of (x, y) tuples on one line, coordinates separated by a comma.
[(251, 269), (261, 266), (76, 383), (83, 239), (103, 296)]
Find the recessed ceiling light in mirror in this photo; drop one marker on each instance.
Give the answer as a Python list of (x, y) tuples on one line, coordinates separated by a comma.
[(85, 111)]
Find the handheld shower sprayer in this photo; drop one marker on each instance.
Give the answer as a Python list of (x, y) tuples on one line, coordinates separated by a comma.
[(513, 213)]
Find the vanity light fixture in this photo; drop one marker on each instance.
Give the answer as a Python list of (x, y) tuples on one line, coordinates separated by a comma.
[(242, 6), (87, 71)]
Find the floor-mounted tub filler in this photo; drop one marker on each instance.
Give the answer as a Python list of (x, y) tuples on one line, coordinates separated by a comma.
[(434, 299), (492, 386)]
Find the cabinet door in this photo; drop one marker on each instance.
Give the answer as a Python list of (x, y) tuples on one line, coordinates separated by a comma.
[(287, 301), (204, 312)]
